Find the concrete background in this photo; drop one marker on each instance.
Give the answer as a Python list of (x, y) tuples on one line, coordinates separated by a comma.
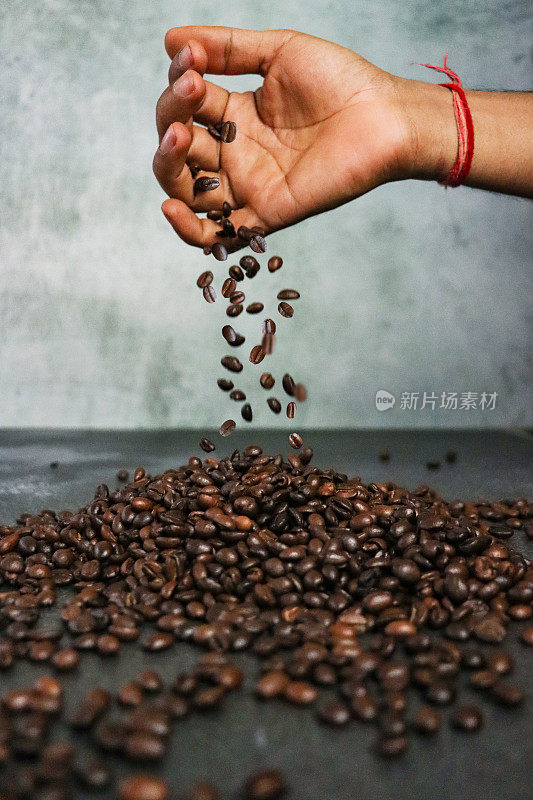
[(411, 288)]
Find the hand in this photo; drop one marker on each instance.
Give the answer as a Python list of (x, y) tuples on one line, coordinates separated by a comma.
[(324, 127)]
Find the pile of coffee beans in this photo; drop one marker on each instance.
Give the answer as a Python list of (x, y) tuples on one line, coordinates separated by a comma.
[(368, 601), (247, 269)]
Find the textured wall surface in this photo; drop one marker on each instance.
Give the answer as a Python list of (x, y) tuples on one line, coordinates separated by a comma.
[(411, 288)]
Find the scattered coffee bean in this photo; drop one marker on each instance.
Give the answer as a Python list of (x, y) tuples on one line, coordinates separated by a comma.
[(246, 412), (266, 380), (123, 475), (258, 244), (288, 384), (288, 294), (207, 445), (257, 354), (143, 787), (236, 273), (234, 310), (227, 427), (219, 251), (267, 785), (228, 132), (224, 384), (285, 309), (237, 297), (467, 718), (205, 279), (228, 287), (232, 363), (295, 440), (206, 184), (274, 405), (269, 326), (254, 308), (209, 294), (274, 263), (291, 410), (427, 721), (237, 395)]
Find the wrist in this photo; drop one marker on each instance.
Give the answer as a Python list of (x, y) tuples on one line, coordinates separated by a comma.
[(431, 140)]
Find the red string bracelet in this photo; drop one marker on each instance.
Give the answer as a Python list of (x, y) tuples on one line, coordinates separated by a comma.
[(465, 127)]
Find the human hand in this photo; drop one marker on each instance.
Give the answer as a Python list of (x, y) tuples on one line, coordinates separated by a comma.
[(324, 127)]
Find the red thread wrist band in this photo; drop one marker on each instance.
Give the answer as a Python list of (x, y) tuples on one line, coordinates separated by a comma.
[(465, 127)]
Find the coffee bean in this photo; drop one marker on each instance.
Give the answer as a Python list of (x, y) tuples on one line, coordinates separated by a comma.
[(237, 395), (246, 412), (207, 445), (236, 274), (267, 343), (228, 132), (427, 721), (266, 785), (234, 310), (226, 209), (159, 641), (206, 250), (209, 698), (467, 718), (219, 251), (526, 636), (144, 746), (507, 694), (291, 410), (274, 263), (216, 216), (232, 363), (333, 712), (272, 684), (269, 326), (288, 294), (143, 787), (274, 405), (205, 279), (392, 746), (254, 308), (228, 287), (285, 309), (244, 233), (501, 663), (266, 380), (288, 384), (224, 384), (300, 693), (257, 354), (237, 297), (258, 244), (229, 334), (227, 427), (206, 184)]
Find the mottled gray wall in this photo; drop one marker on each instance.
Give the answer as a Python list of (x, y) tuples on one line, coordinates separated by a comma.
[(411, 288)]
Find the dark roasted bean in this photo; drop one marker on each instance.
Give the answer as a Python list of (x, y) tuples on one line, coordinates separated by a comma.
[(228, 287), (143, 787), (234, 310), (205, 279), (207, 445), (219, 251), (285, 309), (224, 384), (274, 405), (237, 395), (258, 244), (275, 263), (206, 184), (232, 363), (257, 354), (288, 294), (209, 294), (288, 384), (254, 308), (227, 427), (228, 132), (236, 273), (467, 718), (246, 412), (237, 297), (291, 410), (266, 380)]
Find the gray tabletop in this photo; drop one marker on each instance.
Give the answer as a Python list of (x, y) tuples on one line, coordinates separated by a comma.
[(224, 747)]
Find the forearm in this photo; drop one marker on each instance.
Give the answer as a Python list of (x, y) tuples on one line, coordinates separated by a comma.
[(503, 122)]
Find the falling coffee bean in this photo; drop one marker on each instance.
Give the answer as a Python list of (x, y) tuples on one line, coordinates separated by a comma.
[(224, 384), (246, 412), (254, 308), (209, 294), (207, 445), (237, 395), (274, 263), (295, 440), (204, 279), (257, 354), (258, 244), (266, 380), (291, 410), (234, 310), (236, 273), (285, 310), (288, 294), (237, 297), (274, 405), (269, 326), (228, 287), (219, 251), (267, 343), (227, 427), (288, 384), (300, 392), (232, 363), (226, 209), (244, 233)]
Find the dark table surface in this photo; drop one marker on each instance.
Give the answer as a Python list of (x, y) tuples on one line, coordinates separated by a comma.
[(245, 735)]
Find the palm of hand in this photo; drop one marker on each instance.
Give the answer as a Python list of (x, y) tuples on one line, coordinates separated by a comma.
[(307, 141)]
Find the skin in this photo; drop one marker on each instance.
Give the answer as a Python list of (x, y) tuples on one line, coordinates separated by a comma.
[(324, 127)]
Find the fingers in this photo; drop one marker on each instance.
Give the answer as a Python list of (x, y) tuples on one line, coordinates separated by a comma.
[(169, 163), (229, 51), (201, 232), (191, 56), (190, 96)]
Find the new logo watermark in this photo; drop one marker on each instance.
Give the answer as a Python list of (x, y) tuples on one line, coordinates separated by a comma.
[(384, 400)]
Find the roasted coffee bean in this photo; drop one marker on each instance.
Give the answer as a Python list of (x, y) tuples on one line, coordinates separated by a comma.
[(232, 363), (467, 718), (227, 427), (206, 184), (246, 412), (159, 641), (244, 233), (269, 326), (234, 310), (333, 712), (300, 693), (288, 294), (143, 787), (258, 244), (224, 384), (236, 273), (209, 294), (207, 445), (257, 354), (229, 334), (526, 636), (266, 380), (123, 475), (66, 659), (291, 410), (427, 721), (228, 287), (288, 384), (507, 694), (300, 392), (237, 297), (205, 279), (216, 216), (254, 308), (274, 405), (226, 209), (272, 684), (228, 132), (267, 785), (219, 251), (392, 746), (237, 395), (275, 263), (285, 309)]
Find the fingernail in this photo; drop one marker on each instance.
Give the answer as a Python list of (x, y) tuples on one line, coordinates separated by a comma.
[(168, 141), (183, 86), (184, 58)]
